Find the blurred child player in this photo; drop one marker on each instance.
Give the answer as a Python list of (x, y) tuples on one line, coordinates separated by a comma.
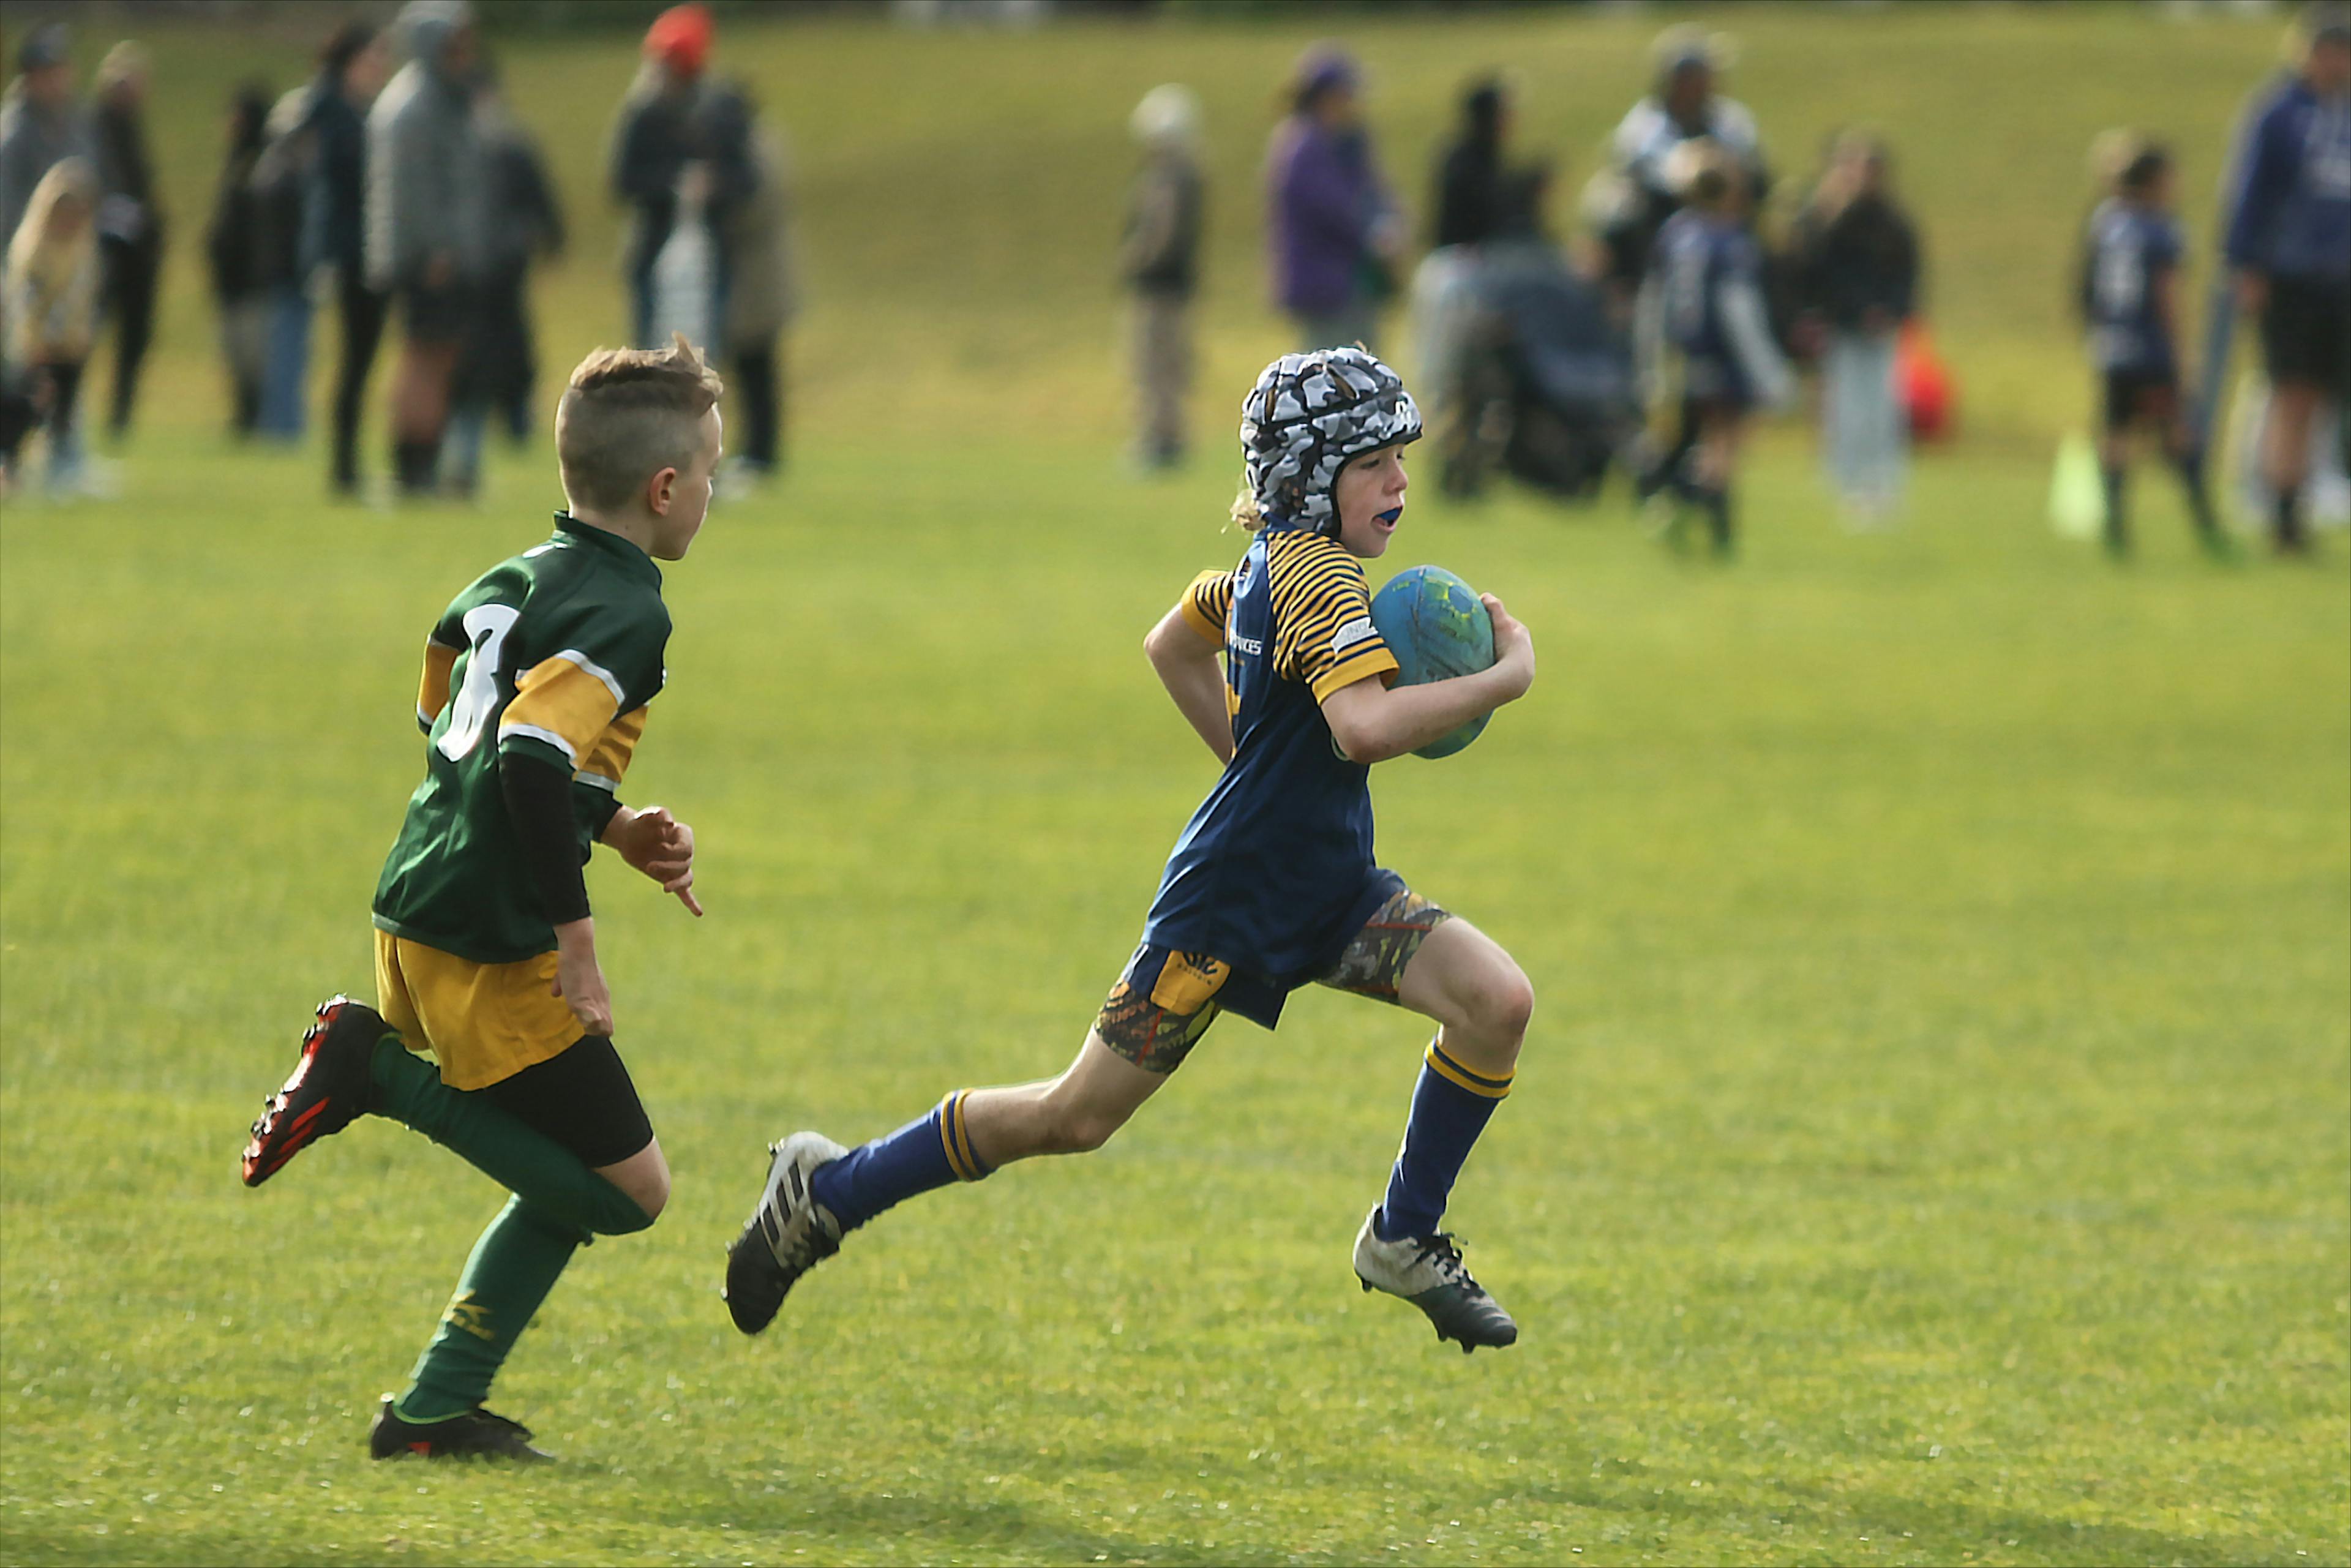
[(536, 685), (1272, 884), (1703, 304), (2130, 289)]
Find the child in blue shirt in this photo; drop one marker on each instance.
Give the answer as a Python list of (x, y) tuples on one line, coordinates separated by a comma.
[(2130, 265), (1272, 885), (1702, 308)]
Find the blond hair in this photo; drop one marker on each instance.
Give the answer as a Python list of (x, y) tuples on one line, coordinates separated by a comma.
[(1246, 515), (627, 415), (51, 280), (126, 60), (1702, 171), (69, 180)]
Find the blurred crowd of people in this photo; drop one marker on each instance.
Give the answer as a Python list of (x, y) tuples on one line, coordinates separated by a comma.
[(1542, 355), (82, 233), (1693, 288), (398, 189)]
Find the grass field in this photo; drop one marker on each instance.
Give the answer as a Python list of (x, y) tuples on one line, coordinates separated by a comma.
[(1935, 1141)]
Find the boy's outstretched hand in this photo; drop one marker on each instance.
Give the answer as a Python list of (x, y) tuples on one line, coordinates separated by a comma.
[(659, 845), (1514, 646)]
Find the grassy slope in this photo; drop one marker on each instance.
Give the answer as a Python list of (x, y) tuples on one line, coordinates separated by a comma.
[(1932, 1147)]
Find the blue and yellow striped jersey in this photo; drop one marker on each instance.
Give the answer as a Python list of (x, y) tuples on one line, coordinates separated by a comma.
[(1274, 872)]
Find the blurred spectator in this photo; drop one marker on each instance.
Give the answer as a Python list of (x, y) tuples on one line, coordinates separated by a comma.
[(281, 183), (40, 123), (1682, 105), (52, 302), (1474, 192), (678, 129), (2289, 234), (1472, 181), (232, 248), (352, 71), (2129, 292), (1857, 258), (500, 362), (1702, 312), (130, 220), (1333, 226), (762, 297), (1159, 258), (427, 224)]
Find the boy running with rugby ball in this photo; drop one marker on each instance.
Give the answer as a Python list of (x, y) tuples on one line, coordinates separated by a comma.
[(1272, 885)]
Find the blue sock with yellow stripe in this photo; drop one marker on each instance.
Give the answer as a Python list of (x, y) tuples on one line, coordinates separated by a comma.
[(1450, 1106), (920, 1155)]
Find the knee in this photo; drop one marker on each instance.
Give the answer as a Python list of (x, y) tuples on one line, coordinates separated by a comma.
[(648, 1188), (1505, 1006), (653, 1196)]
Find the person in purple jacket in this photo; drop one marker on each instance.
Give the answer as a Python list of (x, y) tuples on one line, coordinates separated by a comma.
[(1333, 226), (2289, 246)]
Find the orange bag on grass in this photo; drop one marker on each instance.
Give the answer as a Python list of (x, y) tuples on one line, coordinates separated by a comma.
[(1927, 394)]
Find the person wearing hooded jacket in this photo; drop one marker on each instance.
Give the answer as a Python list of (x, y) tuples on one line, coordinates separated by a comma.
[(41, 124), (426, 223), (1330, 221)]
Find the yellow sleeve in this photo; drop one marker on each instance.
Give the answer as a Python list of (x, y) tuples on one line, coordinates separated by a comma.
[(1206, 604), (1323, 633), (607, 761), (567, 702), (432, 689)]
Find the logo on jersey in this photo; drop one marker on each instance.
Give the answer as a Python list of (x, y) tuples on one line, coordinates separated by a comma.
[(1352, 633), (1240, 645)]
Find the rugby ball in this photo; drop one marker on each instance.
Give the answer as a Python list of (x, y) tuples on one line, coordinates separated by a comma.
[(1437, 628)]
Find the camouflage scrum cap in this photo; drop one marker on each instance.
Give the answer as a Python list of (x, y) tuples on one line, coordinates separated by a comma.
[(1307, 415)]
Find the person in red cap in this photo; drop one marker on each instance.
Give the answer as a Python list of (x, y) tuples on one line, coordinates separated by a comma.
[(680, 135)]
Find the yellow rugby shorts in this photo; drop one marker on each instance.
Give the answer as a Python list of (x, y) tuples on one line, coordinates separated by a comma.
[(484, 1022)]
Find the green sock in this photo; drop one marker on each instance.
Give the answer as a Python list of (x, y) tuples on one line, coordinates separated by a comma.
[(514, 1265), (561, 1186)]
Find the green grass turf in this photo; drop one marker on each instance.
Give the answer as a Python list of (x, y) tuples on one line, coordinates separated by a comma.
[(1932, 1146)]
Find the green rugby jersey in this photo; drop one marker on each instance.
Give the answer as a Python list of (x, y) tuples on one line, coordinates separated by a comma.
[(552, 654)]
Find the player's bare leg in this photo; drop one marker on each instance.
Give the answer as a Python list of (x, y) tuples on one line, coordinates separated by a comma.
[(799, 1219), (1475, 991), (2285, 459), (1074, 1113), (1720, 433), (644, 1176), (1481, 1002)]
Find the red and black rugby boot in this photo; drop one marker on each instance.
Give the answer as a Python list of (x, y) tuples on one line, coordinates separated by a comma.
[(328, 1091), (477, 1434)]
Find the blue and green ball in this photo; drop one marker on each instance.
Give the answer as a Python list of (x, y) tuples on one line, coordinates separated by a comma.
[(1437, 628)]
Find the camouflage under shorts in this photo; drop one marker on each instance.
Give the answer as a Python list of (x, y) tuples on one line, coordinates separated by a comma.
[(1376, 955), (1166, 1000)]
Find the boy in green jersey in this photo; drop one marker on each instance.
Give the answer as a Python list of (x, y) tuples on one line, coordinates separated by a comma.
[(537, 679)]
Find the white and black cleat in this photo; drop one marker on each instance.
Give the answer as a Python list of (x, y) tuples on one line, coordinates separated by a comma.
[(788, 1234), (1427, 1271)]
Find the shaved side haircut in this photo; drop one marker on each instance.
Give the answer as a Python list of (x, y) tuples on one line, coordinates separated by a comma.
[(627, 415)]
